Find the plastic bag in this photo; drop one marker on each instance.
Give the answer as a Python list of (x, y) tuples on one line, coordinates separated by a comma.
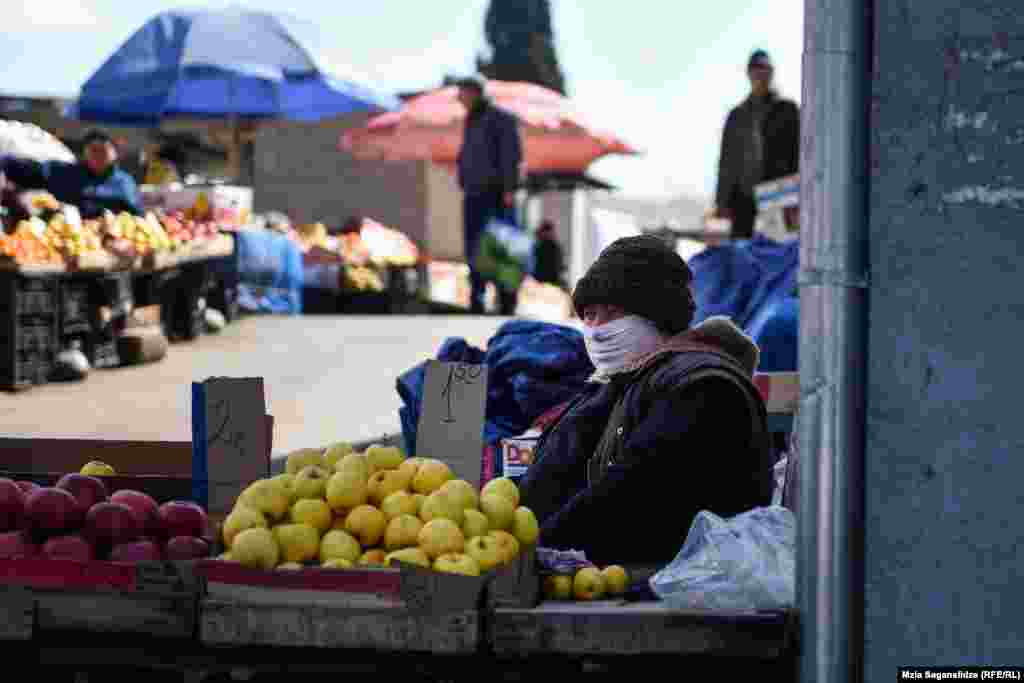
[(779, 477), (746, 562)]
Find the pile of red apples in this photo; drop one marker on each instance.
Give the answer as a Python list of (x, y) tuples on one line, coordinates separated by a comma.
[(79, 519)]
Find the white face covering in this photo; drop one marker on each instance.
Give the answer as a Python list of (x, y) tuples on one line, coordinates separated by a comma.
[(613, 345)]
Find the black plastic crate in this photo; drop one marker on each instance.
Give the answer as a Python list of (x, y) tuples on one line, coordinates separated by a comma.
[(28, 328)]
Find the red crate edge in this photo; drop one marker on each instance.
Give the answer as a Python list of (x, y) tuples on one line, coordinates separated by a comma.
[(65, 574)]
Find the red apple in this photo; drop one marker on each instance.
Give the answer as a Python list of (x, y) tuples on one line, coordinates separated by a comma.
[(69, 547), (86, 489), (27, 487), (182, 518), (142, 505), (15, 544), (12, 505), (186, 548), (111, 524), (50, 511), (138, 551)]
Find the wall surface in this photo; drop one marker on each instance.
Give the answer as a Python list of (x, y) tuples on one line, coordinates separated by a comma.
[(945, 439)]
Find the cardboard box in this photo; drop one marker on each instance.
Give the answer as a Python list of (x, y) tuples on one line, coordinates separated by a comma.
[(517, 454)]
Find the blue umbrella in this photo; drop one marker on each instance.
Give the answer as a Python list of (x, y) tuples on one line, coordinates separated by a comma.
[(221, 63)]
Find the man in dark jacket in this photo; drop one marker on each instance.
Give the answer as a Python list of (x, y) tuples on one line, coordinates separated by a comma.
[(548, 257), (671, 423), (760, 142), (93, 184), (488, 171)]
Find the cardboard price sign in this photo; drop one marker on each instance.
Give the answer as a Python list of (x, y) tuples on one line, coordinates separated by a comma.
[(231, 439), (451, 427)]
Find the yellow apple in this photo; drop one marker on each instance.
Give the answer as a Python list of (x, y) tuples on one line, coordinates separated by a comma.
[(402, 532), (334, 454), (616, 580), (419, 498), (375, 556), (316, 513), (304, 457), (475, 523), (310, 482), (399, 503), (442, 505), (503, 486), (268, 497), (255, 548), (298, 542), (558, 587), (457, 563), (588, 584), (440, 536), (289, 566), (346, 489), (486, 551), (409, 468), (411, 555), (383, 483), (226, 557), (285, 482), (337, 563), (507, 542), (95, 468), (240, 519), (463, 492), (338, 544), (524, 526), (383, 458), (356, 462), (430, 476), (499, 510), (367, 524)]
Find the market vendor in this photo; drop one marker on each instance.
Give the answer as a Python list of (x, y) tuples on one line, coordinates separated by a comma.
[(93, 184), (669, 425)]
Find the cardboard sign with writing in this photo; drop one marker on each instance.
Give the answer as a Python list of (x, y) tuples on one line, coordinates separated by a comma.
[(230, 439), (452, 417)]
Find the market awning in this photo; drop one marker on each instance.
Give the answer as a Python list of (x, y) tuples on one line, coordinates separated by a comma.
[(536, 183), (556, 137)]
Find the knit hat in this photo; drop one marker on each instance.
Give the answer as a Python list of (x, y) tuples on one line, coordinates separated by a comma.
[(645, 277), (759, 58)]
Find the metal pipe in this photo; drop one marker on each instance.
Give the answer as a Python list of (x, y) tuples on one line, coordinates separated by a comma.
[(834, 177)]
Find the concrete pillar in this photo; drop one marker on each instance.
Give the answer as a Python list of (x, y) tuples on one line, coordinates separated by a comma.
[(944, 536)]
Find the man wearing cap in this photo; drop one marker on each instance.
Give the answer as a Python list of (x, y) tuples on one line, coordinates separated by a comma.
[(488, 172), (670, 423), (760, 142), (93, 184)]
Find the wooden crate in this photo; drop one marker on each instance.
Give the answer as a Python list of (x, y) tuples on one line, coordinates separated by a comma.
[(642, 628), (407, 609)]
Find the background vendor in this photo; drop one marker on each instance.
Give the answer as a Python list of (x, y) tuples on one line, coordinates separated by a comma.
[(93, 184), (669, 425)]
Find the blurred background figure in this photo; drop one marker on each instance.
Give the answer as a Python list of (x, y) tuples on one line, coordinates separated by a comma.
[(760, 142), (164, 166), (548, 257)]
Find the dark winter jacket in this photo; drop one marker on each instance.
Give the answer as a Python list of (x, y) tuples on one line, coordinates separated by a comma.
[(780, 130), (491, 151), (548, 262), (76, 184), (633, 459)]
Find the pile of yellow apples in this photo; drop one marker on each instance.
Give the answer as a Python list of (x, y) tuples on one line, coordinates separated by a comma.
[(588, 583), (338, 508)]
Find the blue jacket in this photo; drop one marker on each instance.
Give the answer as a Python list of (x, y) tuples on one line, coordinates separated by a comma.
[(491, 151), (630, 463), (76, 184)]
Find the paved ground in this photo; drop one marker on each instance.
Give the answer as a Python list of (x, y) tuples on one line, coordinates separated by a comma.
[(326, 378)]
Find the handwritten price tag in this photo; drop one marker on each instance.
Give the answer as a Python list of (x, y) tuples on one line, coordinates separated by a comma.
[(452, 417), (234, 437)]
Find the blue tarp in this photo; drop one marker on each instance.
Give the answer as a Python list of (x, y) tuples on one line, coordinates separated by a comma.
[(752, 282), (269, 272), (532, 367)]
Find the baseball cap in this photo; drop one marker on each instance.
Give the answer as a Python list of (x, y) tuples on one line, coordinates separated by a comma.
[(759, 58)]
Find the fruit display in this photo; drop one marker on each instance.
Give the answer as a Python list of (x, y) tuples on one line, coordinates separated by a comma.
[(80, 519), (587, 584), (361, 279), (336, 508), (28, 245)]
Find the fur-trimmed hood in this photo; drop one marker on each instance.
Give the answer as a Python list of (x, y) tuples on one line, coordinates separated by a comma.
[(718, 334)]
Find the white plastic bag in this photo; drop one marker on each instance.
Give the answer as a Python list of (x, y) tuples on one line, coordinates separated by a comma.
[(779, 478), (746, 562)]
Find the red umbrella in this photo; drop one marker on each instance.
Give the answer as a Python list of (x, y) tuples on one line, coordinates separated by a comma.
[(556, 138)]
